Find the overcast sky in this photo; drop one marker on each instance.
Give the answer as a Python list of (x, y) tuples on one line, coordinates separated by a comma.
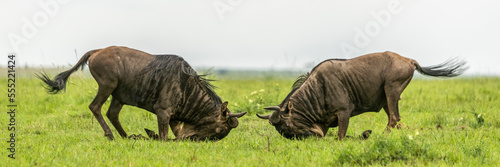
[(254, 34)]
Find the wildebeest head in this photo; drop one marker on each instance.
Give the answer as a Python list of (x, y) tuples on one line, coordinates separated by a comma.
[(292, 118), (209, 128), (291, 125)]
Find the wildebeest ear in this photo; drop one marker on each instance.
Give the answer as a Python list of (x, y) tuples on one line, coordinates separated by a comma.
[(223, 106), (223, 109)]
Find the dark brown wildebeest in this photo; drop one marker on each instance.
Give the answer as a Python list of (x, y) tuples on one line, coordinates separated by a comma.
[(338, 89), (162, 84)]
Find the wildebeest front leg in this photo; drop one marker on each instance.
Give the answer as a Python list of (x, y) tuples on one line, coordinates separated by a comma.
[(343, 118), (163, 116)]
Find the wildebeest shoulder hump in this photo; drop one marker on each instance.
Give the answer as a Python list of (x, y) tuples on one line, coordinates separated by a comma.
[(163, 68)]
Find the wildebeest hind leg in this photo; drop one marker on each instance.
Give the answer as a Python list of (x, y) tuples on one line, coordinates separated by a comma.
[(392, 108), (113, 116), (386, 109), (102, 95)]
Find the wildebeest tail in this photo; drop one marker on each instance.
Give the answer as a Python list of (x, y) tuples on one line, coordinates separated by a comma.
[(59, 82), (450, 68)]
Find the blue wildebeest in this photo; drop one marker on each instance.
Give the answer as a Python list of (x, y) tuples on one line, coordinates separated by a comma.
[(338, 89), (162, 84)]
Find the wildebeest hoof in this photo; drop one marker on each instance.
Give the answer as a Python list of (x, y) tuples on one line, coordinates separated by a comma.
[(110, 136), (366, 134), (137, 137), (151, 134), (400, 126)]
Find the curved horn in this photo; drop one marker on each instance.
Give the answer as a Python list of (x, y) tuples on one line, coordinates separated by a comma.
[(233, 122), (263, 116), (274, 118), (275, 108), (237, 115)]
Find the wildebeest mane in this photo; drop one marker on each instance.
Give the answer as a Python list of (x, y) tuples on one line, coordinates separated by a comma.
[(300, 80), (205, 83), (336, 59), (296, 85), (162, 69), (303, 78)]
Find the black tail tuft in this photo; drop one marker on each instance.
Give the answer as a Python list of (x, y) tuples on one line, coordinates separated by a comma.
[(57, 84), (450, 68)]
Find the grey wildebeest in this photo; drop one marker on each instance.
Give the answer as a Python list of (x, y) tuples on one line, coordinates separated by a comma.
[(165, 85), (338, 89)]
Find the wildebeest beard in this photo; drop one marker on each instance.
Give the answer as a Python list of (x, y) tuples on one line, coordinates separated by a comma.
[(184, 130)]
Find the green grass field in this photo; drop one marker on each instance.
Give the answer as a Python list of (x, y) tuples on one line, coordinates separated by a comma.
[(59, 130)]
